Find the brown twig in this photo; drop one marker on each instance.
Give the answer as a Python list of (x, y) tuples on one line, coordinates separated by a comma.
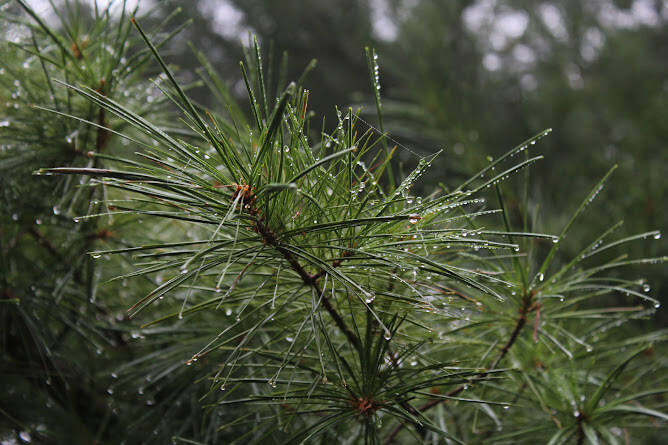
[(308, 279)]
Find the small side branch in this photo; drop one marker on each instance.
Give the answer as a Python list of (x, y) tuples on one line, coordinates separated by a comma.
[(527, 306)]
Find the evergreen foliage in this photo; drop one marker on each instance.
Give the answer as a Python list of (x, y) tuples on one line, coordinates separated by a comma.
[(283, 288)]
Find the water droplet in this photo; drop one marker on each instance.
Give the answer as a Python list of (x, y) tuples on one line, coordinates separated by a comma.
[(25, 436), (388, 335), (413, 218), (657, 235), (110, 390), (289, 339), (657, 305), (114, 375), (183, 269), (506, 406), (96, 255), (646, 287), (540, 277)]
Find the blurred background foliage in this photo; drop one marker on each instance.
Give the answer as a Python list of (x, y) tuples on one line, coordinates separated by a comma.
[(473, 77)]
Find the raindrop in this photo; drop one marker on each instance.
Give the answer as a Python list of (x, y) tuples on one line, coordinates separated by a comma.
[(540, 277), (413, 218), (289, 339), (110, 390), (657, 305), (657, 235), (114, 375), (184, 269), (96, 255), (506, 406), (24, 435), (646, 287), (388, 335)]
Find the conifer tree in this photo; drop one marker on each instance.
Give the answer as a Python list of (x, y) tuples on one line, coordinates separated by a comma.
[(282, 288)]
